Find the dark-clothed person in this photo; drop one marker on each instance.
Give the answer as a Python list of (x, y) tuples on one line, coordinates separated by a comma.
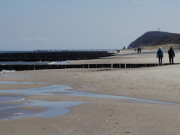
[(160, 55), (138, 50), (171, 55)]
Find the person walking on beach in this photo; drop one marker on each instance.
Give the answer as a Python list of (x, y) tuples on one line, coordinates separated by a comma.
[(171, 55), (138, 50), (160, 55)]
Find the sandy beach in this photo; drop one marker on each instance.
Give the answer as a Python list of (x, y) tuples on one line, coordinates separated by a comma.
[(104, 116)]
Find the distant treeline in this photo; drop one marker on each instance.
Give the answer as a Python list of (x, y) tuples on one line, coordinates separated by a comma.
[(40, 55)]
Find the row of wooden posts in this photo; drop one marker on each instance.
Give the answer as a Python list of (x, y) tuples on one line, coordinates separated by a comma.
[(53, 56), (66, 66)]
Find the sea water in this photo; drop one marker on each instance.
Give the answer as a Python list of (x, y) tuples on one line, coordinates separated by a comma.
[(34, 63), (4, 73)]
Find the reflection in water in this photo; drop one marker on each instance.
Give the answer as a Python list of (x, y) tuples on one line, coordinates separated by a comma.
[(13, 82), (10, 98), (10, 110), (65, 90), (53, 109)]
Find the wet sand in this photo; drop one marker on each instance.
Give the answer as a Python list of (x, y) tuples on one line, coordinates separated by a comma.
[(103, 116)]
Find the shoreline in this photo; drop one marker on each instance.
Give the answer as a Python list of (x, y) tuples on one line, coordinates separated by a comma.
[(104, 116), (26, 101)]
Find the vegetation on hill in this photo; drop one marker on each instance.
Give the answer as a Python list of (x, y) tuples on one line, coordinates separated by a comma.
[(155, 38)]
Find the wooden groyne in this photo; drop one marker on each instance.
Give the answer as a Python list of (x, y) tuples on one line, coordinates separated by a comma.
[(53, 56), (41, 67)]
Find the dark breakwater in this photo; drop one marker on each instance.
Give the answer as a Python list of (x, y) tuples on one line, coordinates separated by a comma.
[(53, 56), (41, 67)]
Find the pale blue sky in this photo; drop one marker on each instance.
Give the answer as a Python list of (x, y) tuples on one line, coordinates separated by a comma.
[(82, 24)]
